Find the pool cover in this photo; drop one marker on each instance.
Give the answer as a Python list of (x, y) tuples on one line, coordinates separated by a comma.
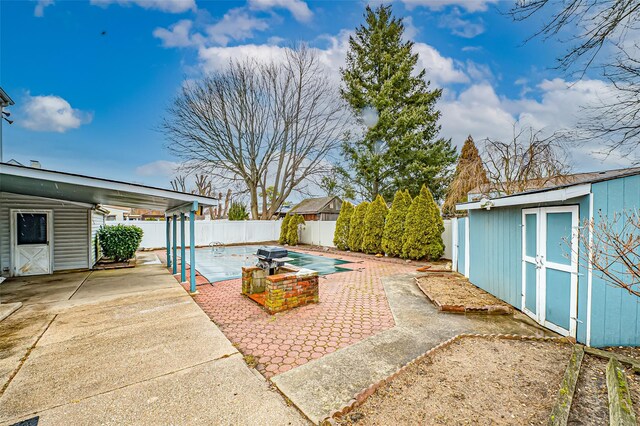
[(226, 263)]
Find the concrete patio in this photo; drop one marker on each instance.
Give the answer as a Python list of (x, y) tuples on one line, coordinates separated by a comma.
[(123, 346)]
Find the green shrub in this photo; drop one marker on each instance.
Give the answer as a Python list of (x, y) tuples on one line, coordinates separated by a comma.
[(341, 236), (284, 230), (423, 229), (238, 211), (292, 235), (119, 242), (394, 226), (357, 226), (374, 226)]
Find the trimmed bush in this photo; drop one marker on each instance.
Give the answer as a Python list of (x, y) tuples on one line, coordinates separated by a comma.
[(119, 242), (284, 230), (292, 235), (357, 226), (423, 229), (238, 211), (394, 226), (341, 236), (374, 226)]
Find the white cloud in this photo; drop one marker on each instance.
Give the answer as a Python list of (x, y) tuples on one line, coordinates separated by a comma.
[(440, 70), (216, 58), (461, 27), (51, 114), (178, 34), (170, 6), (298, 8), (39, 9), (468, 5), (236, 24), (158, 168)]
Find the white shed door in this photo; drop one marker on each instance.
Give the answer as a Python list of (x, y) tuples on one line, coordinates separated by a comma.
[(31, 242)]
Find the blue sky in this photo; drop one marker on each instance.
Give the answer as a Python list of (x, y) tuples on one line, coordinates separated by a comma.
[(91, 103)]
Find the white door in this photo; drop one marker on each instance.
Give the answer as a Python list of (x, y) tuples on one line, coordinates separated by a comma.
[(32, 242), (550, 267)]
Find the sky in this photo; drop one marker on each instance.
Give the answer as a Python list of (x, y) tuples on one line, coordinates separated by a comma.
[(92, 80)]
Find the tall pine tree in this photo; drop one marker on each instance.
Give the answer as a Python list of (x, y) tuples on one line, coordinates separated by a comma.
[(470, 174), (402, 149)]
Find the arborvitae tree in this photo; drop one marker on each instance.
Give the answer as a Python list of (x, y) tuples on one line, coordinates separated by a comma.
[(423, 229), (292, 235), (470, 174), (394, 226), (284, 230), (341, 236), (402, 149), (374, 226), (357, 226)]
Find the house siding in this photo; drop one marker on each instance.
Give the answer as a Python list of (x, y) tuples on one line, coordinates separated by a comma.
[(70, 231), (615, 314), (495, 255)]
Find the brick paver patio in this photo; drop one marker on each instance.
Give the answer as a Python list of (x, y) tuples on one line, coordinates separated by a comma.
[(353, 306)]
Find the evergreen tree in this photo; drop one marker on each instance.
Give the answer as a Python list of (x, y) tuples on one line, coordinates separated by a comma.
[(374, 226), (284, 230), (394, 226), (470, 174), (292, 235), (401, 150), (238, 211), (423, 229), (341, 235), (357, 226)]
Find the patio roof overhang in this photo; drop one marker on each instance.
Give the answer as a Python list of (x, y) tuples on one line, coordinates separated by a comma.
[(96, 191)]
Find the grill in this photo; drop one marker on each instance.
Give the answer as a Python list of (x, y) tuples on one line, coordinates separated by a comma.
[(270, 258)]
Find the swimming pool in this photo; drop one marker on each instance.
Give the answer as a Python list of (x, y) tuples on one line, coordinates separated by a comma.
[(226, 263)]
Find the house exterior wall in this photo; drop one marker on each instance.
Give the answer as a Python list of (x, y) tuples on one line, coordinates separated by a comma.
[(97, 220), (615, 314), (70, 231), (495, 255)]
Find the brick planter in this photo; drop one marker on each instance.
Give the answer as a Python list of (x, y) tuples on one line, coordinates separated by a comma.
[(287, 289)]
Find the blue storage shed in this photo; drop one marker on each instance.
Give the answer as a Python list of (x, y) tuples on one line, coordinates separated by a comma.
[(523, 249)]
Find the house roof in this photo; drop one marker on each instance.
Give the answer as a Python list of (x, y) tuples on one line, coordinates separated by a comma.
[(573, 186), (312, 205), (5, 100), (91, 190)]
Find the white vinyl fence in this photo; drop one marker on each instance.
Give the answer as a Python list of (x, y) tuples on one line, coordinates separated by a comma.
[(318, 233)]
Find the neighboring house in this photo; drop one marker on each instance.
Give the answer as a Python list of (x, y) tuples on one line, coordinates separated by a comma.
[(116, 213), (521, 249), (49, 219), (323, 208)]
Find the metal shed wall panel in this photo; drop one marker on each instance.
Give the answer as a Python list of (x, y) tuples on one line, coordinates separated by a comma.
[(615, 314), (462, 223), (495, 255), (70, 230)]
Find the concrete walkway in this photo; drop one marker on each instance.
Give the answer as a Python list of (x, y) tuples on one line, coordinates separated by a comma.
[(327, 384), (125, 346)]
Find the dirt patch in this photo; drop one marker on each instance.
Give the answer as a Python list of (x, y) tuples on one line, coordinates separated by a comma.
[(590, 402), (455, 290), (472, 381), (634, 389)]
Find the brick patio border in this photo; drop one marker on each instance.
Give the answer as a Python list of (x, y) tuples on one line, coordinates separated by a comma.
[(360, 397)]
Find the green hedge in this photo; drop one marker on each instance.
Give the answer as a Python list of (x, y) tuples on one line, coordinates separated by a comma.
[(423, 229), (394, 226), (357, 226), (119, 242), (292, 235), (341, 235), (374, 226), (284, 230)]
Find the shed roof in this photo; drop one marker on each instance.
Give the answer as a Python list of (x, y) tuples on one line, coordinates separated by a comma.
[(91, 190), (312, 205), (5, 100), (573, 186)]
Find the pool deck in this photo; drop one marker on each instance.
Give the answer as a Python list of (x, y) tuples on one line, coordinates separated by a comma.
[(125, 346)]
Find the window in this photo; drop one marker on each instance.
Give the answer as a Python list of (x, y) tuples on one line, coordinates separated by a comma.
[(32, 228)]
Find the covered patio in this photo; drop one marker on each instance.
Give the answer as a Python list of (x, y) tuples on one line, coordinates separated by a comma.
[(62, 203)]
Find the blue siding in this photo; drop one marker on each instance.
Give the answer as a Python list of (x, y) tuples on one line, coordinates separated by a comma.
[(462, 223), (496, 255), (615, 315)]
